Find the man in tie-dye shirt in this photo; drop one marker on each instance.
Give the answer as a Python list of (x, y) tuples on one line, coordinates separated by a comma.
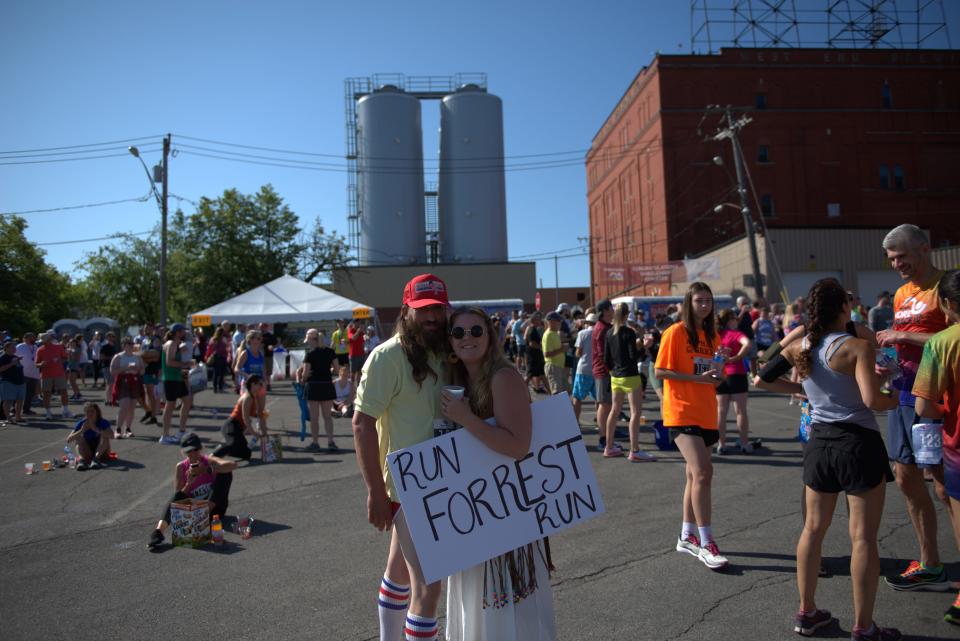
[(938, 380), (916, 318)]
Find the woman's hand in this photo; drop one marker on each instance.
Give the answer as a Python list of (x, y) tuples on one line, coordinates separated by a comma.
[(457, 410), (711, 376)]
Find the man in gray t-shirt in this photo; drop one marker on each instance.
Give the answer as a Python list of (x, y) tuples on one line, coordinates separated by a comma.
[(583, 384), (881, 315)]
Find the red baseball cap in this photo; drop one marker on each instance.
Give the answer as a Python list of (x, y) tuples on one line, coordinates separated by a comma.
[(425, 290)]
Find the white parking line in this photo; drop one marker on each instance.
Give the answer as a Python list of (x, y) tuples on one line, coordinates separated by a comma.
[(59, 441)]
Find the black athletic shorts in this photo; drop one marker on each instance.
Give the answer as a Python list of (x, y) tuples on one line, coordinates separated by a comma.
[(733, 384), (843, 457), (710, 437), (321, 391), (343, 360), (172, 390)]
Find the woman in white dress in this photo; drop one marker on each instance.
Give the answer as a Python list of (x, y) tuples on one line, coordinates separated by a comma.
[(507, 598)]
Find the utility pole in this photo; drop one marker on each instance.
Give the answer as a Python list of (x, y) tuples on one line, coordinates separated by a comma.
[(165, 165), (731, 132)]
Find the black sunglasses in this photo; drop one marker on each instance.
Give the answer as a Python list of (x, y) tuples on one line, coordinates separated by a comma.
[(459, 332)]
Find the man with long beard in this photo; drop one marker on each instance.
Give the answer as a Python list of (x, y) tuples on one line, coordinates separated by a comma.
[(397, 401)]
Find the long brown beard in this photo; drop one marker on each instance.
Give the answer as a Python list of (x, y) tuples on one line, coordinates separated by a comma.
[(418, 343)]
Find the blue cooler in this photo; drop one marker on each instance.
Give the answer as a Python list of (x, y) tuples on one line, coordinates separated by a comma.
[(662, 437)]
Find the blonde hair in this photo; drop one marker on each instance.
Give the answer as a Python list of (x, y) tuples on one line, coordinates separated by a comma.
[(480, 393), (620, 313)]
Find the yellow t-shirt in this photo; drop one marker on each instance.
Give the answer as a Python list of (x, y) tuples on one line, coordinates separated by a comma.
[(338, 340), (404, 410), (550, 342), (686, 403)]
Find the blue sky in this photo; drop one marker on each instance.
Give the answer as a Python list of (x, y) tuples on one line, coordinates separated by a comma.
[(271, 75)]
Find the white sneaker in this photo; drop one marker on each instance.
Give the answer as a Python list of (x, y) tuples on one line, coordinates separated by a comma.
[(690, 545), (67, 413), (169, 440), (639, 456), (711, 557), (49, 415)]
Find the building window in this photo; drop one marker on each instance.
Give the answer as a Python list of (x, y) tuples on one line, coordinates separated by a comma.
[(761, 101), (899, 182), (884, 177), (833, 210), (766, 205), (887, 97), (763, 154)]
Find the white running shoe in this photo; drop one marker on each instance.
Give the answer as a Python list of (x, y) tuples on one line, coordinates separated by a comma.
[(49, 415), (639, 456), (689, 544), (66, 413), (711, 557)]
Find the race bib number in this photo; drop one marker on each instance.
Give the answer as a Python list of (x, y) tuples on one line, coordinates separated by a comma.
[(443, 426), (701, 365)]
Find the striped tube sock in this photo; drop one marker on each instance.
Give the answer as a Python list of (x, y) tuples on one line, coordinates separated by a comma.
[(392, 608), (421, 628)]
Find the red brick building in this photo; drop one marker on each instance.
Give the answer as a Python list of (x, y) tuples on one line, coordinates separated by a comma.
[(838, 139)]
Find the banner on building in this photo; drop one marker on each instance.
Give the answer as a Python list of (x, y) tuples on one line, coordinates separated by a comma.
[(626, 275), (465, 504)]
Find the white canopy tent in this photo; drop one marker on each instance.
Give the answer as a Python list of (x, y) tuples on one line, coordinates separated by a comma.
[(283, 300)]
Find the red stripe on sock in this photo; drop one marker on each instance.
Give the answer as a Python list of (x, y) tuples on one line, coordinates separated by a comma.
[(393, 595), (418, 634)]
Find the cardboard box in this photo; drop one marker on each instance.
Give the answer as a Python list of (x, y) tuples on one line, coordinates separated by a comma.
[(190, 522)]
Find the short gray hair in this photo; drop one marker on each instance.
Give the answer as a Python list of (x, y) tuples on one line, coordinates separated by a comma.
[(904, 237)]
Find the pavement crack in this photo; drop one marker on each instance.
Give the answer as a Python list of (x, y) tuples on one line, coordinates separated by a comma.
[(760, 583)]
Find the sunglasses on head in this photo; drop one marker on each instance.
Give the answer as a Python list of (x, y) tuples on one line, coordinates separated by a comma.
[(459, 332)]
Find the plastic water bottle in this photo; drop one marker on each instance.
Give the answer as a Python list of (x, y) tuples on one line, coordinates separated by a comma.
[(719, 359), (927, 443), (71, 460), (216, 530)]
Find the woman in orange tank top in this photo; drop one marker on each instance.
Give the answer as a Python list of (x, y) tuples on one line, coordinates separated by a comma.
[(249, 405)]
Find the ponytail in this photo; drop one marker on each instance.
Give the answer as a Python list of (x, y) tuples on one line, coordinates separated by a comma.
[(824, 305)]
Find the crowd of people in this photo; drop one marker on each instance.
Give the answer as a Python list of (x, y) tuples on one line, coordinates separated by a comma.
[(697, 359)]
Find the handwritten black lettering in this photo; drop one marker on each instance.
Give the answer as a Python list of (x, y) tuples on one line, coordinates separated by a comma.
[(573, 462), (500, 475), (523, 480), (577, 500), (541, 512), (431, 516), (551, 466), (475, 495), (453, 520), (407, 457)]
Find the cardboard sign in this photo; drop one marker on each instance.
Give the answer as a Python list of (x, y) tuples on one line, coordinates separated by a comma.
[(465, 504)]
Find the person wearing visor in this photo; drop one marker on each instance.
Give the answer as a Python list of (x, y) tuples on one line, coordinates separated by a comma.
[(197, 477)]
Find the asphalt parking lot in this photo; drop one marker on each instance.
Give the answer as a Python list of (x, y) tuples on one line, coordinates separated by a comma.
[(72, 546)]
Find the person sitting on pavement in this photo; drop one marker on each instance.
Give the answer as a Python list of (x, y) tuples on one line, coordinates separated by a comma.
[(91, 436), (249, 405), (197, 477), (346, 391)]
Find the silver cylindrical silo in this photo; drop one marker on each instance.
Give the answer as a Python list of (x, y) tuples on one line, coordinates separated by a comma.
[(471, 197), (390, 178)]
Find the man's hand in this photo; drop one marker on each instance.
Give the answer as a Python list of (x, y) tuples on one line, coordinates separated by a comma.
[(711, 376), (378, 511), (889, 337)]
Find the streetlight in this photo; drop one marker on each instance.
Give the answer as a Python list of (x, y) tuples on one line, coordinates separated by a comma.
[(162, 203)]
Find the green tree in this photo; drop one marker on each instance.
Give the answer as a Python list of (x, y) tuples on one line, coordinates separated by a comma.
[(122, 280), (237, 242), (36, 294), (323, 252)]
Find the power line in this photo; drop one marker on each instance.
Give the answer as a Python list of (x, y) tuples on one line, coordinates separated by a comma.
[(92, 144), (37, 162), (141, 199), (90, 240), (340, 155)]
